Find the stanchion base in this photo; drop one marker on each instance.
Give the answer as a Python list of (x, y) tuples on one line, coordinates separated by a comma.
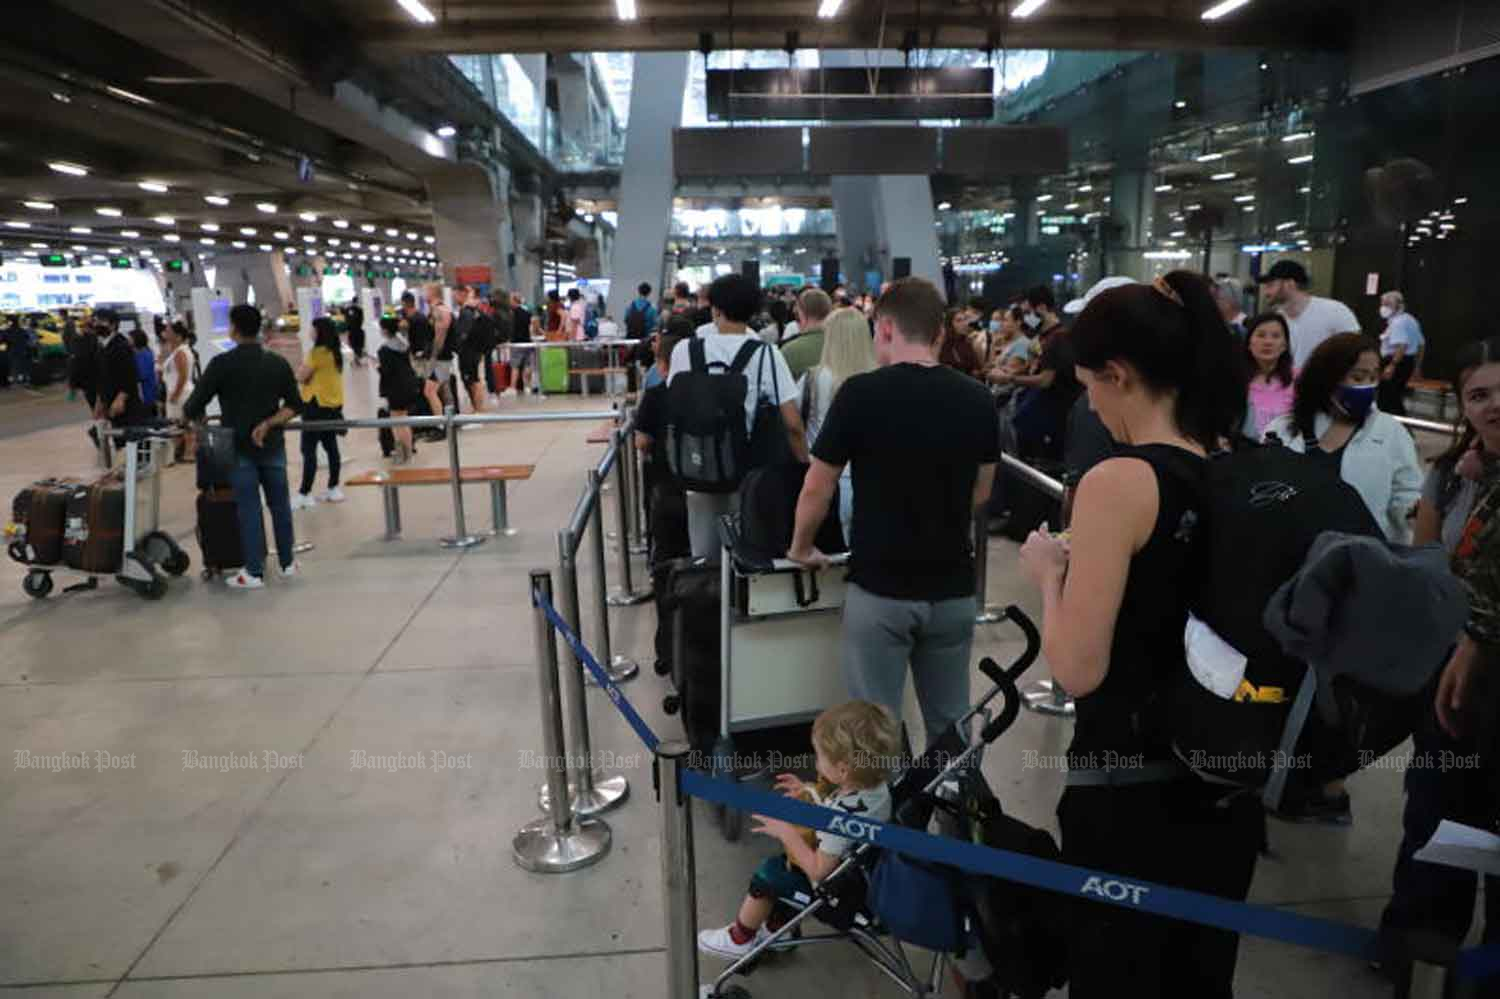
[(1043, 699), (621, 598), (620, 669), (539, 846), (988, 615), (467, 541), (608, 792), (639, 549)]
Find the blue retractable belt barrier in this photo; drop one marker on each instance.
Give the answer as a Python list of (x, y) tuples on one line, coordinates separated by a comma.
[(587, 658), (1065, 879)]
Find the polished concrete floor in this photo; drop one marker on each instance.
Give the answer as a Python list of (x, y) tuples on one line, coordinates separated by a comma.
[(316, 878)]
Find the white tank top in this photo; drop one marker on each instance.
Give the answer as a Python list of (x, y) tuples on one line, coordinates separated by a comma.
[(171, 377)]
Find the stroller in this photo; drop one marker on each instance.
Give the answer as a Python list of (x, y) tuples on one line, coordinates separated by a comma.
[(1005, 939)]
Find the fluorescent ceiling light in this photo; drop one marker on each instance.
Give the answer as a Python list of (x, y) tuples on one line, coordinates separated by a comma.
[(71, 169), (60, 97), (82, 230), (1224, 176), (130, 234), (238, 244), (334, 241), (341, 223), (1210, 157), (1027, 7), (266, 247), (265, 206), (1163, 188), (279, 234), (1192, 208), (1180, 232), (1085, 188), (1294, 136), (1248, 208), (307, 216), (41, 206), (210, 227), (417, 10), (1296, 160), (216, 199), (943, 206), (1071, 206), (1242, 198), (247, 231), (18, 225), (78, 246), (366, 227), (355, 243), (1179, 105), (164, 220), (1460, 201), (154, 186), (1282, 227), (112, 213), (127, 95), (829, 8), (392, 232), (171, 237), (207, 241), (309, 239), (1218, 10), (433, 239), (1304, 190), (448, 131), (1043, 197), (39, 246), (148, 252)]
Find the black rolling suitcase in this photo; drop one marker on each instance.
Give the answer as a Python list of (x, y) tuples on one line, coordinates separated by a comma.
[(669, 543), (693, 608), (219, 531)]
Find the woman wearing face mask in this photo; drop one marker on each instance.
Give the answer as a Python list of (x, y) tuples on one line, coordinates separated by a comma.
[(1459, 502), (1334, 419)]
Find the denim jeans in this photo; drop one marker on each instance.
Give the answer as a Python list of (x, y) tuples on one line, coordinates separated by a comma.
[(252, 474)]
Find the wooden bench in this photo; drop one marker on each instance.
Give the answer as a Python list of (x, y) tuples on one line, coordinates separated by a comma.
[(584, 373), (391, 482), (1443, 390)]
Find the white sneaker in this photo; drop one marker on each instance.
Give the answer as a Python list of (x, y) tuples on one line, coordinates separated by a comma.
[(302, 501), (242, 580), (718, 942), (289, 571), (334, 495)]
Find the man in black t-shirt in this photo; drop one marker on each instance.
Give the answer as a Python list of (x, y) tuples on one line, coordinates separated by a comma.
[(918, 479), (520, 332), (1042, 415)]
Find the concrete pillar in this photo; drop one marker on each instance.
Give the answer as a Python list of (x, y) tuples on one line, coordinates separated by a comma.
[(647, 179), (882, 218), (575, 122), (1132, 202), (526, 216), (466, 218)]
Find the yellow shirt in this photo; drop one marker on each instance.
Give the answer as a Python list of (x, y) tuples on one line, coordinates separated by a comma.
[(326, 386)]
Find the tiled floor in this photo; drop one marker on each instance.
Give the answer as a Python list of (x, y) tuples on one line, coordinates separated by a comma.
[(321, 878)]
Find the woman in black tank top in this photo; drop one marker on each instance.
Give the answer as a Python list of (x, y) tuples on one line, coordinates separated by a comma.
[(1161, 371)]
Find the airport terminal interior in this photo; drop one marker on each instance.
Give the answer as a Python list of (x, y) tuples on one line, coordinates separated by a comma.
[(341, 776)]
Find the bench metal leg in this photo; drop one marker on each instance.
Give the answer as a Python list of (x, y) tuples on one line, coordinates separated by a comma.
[(392, 501), (499, 511)]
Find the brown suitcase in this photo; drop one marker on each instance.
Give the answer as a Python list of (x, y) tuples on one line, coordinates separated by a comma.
[(94, 538), (38, 513)]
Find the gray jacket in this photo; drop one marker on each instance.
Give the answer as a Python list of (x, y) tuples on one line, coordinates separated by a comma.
[(1380, 613)]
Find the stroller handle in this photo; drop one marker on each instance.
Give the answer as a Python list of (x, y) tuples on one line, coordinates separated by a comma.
[(1005, 679)]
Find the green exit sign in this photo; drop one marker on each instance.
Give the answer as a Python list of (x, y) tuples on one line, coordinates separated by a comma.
[(121, 263)]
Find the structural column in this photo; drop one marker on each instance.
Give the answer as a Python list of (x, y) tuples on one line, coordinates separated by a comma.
[(647, 179), (1132, 203), (882, 218), (467, 218)]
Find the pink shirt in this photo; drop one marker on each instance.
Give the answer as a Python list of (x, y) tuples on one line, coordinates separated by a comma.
[(1268, 400)]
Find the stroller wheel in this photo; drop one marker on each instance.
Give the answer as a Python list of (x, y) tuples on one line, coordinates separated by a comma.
[(37, 585), (662, 667), (671, 703)]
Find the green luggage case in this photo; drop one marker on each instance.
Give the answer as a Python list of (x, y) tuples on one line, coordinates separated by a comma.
[(554, 369)]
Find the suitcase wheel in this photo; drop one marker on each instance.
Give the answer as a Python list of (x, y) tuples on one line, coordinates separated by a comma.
[(37, 585), (671, 703)]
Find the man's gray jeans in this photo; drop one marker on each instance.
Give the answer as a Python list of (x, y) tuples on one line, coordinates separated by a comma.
[(882, 636)]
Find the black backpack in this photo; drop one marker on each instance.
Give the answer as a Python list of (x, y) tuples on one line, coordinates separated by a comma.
[(635, 321), (1263, 506), (768, 515), (708, 449)]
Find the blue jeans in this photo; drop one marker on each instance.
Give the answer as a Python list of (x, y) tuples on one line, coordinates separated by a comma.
[(252, 474)]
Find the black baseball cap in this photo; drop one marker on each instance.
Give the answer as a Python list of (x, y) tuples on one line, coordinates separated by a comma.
[(1286, 270)]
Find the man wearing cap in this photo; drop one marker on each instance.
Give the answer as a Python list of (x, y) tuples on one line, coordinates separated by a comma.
[(1310, 318)]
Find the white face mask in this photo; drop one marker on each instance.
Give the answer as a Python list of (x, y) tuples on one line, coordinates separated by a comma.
[(1032, 320), (1386, 312)]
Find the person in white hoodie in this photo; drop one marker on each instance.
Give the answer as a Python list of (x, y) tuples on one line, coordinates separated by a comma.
[(1334, 418)]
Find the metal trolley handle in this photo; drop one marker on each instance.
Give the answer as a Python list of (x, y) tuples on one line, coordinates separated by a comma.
[(808, 595)]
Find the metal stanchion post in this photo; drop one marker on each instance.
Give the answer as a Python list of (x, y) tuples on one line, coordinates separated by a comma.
[(678, 872), (985, 614), (626, 595), (557, 841), (461, 536), (630, 476), (592, 792), (643, 502), (621, 668)]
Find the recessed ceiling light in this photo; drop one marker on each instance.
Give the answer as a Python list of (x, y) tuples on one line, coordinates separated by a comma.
[(446, 131), (1027, 7), (1163, 188), (309, 239), (1294, 136), (1179, 105), (1224, 176), (265, 206), (429, 239), (1210, 157), (82, 230), (1043, 197), (417, 10), (39, 246), (280, 234), (148, 252), (78, 246), (238, 244), (60, 97), (1248, 208), (1298, 160), (1218, 10), (341, 223), (307, 216), (366, 227), (1242, 198), (41, 206), (154, 186), (71, 169), (112, 213), (266, 247), (392, 232), (171, 237), (216, 199), (127, 95), (210, 227), (206, 241), (163, 220), (291, 251), (413, 236), (334, 241), (130, 234)]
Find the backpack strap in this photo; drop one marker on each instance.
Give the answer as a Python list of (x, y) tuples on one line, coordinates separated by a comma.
[(1295, 720), (747, 350), (696, 356)]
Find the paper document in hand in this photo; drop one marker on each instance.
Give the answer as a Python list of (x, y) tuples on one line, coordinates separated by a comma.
[(1458, 845)]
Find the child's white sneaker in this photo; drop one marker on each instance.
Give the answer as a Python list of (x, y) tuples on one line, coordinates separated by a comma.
[(719, 942)]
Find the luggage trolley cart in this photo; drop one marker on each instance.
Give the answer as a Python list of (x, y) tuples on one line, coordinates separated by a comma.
[(150, 554), (779, 629)]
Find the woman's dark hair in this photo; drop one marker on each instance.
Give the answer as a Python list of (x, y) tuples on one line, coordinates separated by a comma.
[(390, 324), (139, 340), (1320, 376), (325, 335), (1471, 356), (184, 334), (1017, 313), (1174, 337), (1283, 370), (679, 326)]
